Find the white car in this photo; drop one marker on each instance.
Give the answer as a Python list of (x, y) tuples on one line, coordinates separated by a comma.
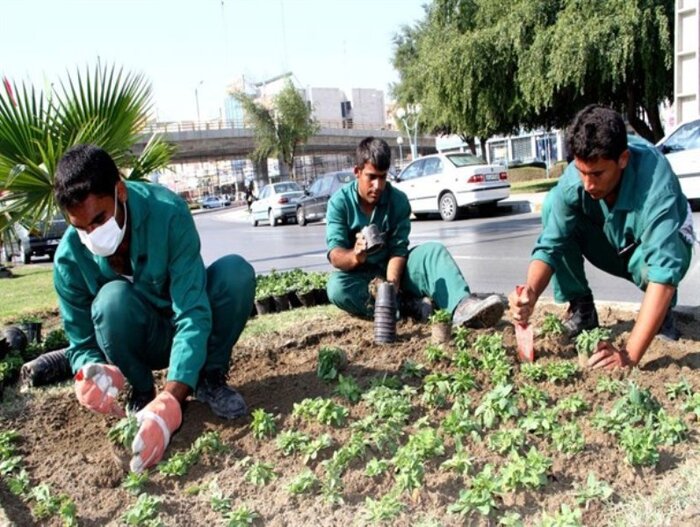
[(277, 201), (445, 183), (682, 149)]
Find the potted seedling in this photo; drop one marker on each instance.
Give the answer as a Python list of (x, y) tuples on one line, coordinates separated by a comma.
[(587, 343), (319, 281), (32, 328), (331, 361), (440, 326), (264, 303), (305, 291)]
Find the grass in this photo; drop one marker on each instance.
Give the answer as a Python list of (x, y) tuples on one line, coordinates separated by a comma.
[(536, 185), (29, 292), (280, 322)]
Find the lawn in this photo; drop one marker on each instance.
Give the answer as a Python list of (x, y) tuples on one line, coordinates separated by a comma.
[(30, 291)]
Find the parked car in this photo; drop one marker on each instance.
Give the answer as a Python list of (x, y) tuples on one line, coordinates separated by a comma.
[(214, 202), (312, 206), (42, 240), (276, 202), (444, 183), (682, 149)]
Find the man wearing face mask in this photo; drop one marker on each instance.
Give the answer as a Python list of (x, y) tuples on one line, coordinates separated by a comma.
[(135, 296)]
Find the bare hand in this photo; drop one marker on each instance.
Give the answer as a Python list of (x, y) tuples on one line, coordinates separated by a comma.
[(609, 357), (521, 303), (360, 248)]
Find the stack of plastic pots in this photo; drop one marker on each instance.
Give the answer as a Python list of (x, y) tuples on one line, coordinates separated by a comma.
[(385, 314)]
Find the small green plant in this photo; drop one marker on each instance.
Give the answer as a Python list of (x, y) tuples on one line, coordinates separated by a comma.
[(384, 509), (497, 405), (290, 441), (460, 462), (540, 422), (434, 353), (47, 505), (587, 341), (412, 369), (675, 390), (532, 372), (124, 432), (259, 473), (551, 325), (566, 517), (441, 316), (670, 430), (19, 484), (529, 471), (143, 512), (134, 482), (506, 440), (263, 424), (573, 405), (461, 338), (568, 438), (55, 339), (303, 483), (594, 489), (240, 517), (640, 446), (609, 385), (480, 496), (330, 362), (376, 467), (314, 447), (692, 404), (511, 519), (348, 388), (325, 411), (560, 372), (532, 396), (177, 464)]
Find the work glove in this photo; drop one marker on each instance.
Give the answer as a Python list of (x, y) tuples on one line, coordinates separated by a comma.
[(97, 386), (157, 422)]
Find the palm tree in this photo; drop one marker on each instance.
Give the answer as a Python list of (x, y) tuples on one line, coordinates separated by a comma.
[(106, 107)]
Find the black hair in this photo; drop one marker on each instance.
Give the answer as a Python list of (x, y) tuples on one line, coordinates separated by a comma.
[(84, 170), (597, 132), (374, 151)]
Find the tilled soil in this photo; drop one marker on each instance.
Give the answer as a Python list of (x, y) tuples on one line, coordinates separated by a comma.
[(66, 446)]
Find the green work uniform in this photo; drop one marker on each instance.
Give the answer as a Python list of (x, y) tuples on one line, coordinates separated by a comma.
[(430, 269), (172, 312), (646, 236)]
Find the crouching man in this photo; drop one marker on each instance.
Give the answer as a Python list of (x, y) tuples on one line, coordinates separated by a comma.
[(420, 274), (135, 297)]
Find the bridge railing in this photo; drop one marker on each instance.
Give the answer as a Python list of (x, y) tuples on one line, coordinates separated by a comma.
[(222, 124)]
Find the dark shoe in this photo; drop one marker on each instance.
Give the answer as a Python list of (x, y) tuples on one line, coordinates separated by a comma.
[(580, 316), (419, 309), (223, 400), (138, 399), (668, 330), (473, 312)]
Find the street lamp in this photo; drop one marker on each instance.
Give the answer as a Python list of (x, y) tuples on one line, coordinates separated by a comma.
[(196, 98), (399, 141), (409, 117)]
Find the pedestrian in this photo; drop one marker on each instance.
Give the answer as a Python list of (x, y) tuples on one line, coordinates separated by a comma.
[(619, 206), (249, 197), (421, 275), (135, 296)]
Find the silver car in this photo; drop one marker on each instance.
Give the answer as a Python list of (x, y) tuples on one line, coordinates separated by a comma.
[(276, 202)]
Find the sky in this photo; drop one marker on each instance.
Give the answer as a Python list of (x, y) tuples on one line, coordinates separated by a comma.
[(191, 49)]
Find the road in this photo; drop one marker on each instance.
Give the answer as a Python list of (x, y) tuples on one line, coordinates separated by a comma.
[(492, 252)]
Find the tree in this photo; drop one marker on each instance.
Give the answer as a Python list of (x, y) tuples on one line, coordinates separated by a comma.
[(107, 107), (480, 68), (281, 128)]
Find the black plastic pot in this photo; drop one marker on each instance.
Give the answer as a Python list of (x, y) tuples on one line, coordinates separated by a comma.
[(265, 305), (321, 296), (385, 314), (306, 299), (294, 299), (281, 302), (48, 368), (32, 330), (13, 338)]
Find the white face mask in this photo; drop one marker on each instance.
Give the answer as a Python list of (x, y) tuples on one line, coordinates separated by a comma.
[(105, 239)]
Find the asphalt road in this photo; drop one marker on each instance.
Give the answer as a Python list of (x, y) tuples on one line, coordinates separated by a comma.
[(492, 252)]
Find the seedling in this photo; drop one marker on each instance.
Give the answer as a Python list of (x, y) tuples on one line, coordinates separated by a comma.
[(532, 372), (692, 404), (325, 411), (568, 438), (19, 484), (560, 371), (640, 446), (124, 432), (674, 390), (330, 362), (218, 501), (498, 404), (260, 473), (461, 338), (390, 381), (348, 388), (441, 316), (511, 519), (47, 505), (434, 353), (412, 369), (481, 495), (573, 405), (241, 517), (551, 325), (532, 396), (594, 489), (609, 385), (384, 509), (376, 467), (437, 388), (540, 422), (134, 482), (178, 464), (290, 441), (529, 471), (566, 517), (587, 342), (458, 423), (461, 463), (143, 512), (506, 440), (303, 483), (313, 447), (263, 424), (671, 430)]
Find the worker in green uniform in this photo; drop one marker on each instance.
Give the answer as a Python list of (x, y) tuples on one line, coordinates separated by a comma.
[(135, 296), (420, 274), (618, 205)]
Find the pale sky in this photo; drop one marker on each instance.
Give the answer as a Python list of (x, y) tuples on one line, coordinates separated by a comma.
[(178, 43)]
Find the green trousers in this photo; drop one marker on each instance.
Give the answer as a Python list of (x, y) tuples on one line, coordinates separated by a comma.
[(137, 338), (430, 271), (569, 281)]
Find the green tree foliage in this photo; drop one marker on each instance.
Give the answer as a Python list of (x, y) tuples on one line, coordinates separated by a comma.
[(480, 68), (281, 127), (106, 106)]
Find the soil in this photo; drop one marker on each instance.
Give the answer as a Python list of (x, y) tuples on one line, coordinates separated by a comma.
[(66, 446)]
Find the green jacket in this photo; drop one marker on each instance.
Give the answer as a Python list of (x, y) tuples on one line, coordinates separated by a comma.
[(649, 211), (167, 270), (344, 219)]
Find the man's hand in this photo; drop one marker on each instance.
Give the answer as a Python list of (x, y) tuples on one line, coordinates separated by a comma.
[(157, 422), (360, 248), (522, 303), (608, 356), (97, 386)]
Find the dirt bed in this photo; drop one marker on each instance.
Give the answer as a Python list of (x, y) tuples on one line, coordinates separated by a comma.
[(66, 446)]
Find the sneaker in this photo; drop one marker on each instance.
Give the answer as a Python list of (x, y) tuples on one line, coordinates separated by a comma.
[(668, 330), (581, 315), (139, 399), (419, 309), (223, 400), (474, 312)]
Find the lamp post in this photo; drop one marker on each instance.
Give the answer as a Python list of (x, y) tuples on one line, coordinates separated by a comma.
[(399, 141), (409, 117), (196, 99)]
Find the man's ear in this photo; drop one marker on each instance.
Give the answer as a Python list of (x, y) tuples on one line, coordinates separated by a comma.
[(121, 191), (357, 171), (623, 159)]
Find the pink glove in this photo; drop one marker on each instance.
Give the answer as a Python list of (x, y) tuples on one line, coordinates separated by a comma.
[(157, 421), (97, 386)]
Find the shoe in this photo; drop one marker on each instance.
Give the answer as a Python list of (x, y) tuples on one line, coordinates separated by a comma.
[(139, 399), (474, 312), (419, 309), (580, 316), (668, 330), (223, 400)]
